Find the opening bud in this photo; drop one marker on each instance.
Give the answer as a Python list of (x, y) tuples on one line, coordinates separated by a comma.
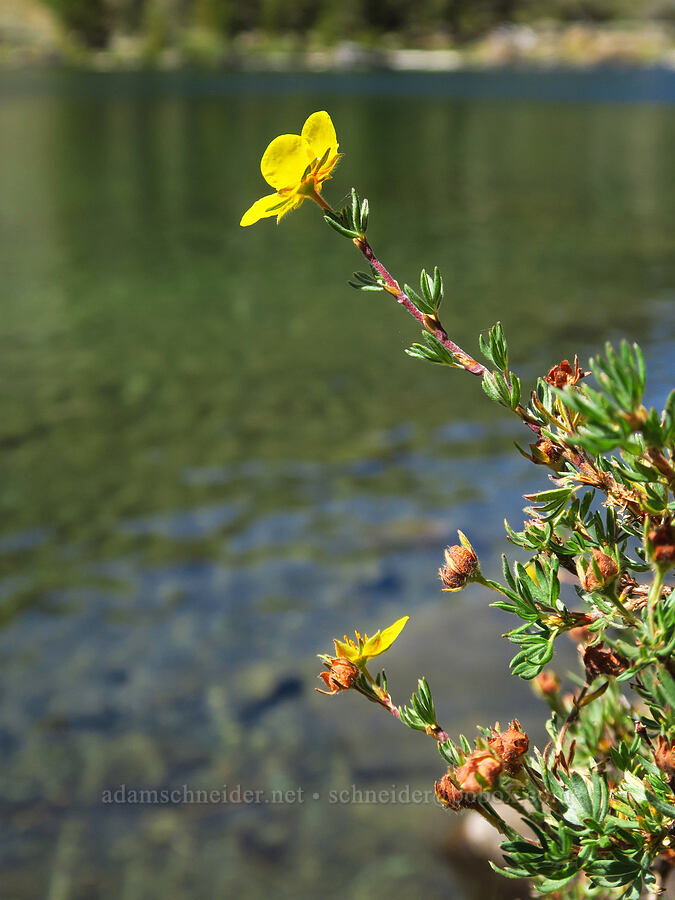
[(599, 573), (547, 683), (546, 453), (479, 772)]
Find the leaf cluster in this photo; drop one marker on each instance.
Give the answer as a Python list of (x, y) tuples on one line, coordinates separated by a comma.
[(351, 221)]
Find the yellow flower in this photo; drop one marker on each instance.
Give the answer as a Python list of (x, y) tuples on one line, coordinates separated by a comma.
[(364, 648), (296, 166)]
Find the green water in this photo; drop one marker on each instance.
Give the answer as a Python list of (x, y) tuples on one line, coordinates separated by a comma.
[(216, 457)]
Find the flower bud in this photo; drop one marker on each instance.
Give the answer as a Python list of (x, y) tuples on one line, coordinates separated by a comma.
[(448, 794), (431, 322), (460, 564), (341, 675), (580, 634), (607, 572), (546, 453), (510, 745), (664, 756), (600, 660), (547, 683), (483, 764), (661, 545)]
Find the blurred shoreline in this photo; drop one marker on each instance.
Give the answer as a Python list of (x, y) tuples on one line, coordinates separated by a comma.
[(40, 40)]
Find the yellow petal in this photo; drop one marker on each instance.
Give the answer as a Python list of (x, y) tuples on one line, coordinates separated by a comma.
[(285, 160), (319, 131), (381, 641), (294, 202), (261, 209), (348, 651)]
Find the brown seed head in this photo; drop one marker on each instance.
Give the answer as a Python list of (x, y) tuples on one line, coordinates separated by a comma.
[(452, 581), (664, 756), (547, 683), (460, 564), (510, 745), (482, 763), (607, 568), (600, 660), (448, 794), (341, 675), (662, 540), (564, 374)]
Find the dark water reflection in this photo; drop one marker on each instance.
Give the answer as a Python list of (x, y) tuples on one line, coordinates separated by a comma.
[(216, 457)]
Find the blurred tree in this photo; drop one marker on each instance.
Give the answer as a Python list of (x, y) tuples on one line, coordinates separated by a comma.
[(88, 20), (217, 15), (593, 10), (337, 21), (160, 21), (125, 15), (156, 25)]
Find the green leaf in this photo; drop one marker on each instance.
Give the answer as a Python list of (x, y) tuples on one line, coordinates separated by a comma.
[(365, 209), (496, 388), (420, 302), (665, 808), (355, 207), (337, 225), (666, 687), (432, 350), (437, 288), (579, 806), (495, 348)]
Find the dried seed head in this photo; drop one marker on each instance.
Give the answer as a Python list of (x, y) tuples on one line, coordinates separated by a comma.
[(664, 756), (607, 572), (600, 660), (341, 675), (483, 764), (448, 794), (547, 683), (452, 581), (460, 564), (662, 545), (460, 560), (563, 374)]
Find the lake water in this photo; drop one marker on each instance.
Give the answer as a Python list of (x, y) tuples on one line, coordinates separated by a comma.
[(216, 457)]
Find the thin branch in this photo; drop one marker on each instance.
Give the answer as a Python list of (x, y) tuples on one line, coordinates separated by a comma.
[(466, 362)]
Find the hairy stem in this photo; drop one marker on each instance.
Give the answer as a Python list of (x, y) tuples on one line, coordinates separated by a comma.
[(653, 597), (466, 362)]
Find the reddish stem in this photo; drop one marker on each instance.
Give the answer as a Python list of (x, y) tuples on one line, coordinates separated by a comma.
[(392, 287)]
